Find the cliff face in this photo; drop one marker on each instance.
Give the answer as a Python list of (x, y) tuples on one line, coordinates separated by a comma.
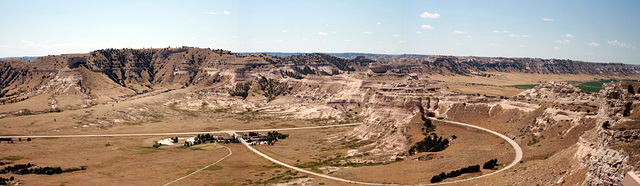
[(544, 120), (617, 148), (449, 65)]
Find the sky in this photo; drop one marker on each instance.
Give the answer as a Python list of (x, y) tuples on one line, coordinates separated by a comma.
[(586, 30)]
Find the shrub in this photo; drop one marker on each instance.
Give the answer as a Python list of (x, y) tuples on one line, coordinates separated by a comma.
[(606, 125), (490, 164)]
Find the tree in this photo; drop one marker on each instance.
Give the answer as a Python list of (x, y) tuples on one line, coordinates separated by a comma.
[(436, 179), (490, 164), (630, 89)]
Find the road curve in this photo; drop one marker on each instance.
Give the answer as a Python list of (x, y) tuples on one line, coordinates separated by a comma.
[(515, 145), (230, 153), (175, 133), (300, 169)]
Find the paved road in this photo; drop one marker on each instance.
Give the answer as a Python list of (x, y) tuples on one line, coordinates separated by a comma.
[(230, 153), (175, 133)]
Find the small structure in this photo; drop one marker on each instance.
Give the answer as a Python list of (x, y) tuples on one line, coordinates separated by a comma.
[(631, 179)]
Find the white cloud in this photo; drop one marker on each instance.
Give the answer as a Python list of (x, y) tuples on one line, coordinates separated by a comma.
[(493, 44), (513, 35), (495, 31), (378, 23), (418, 32), (323, 33), (525, 35), (346, 40), (521, 46), (564, 41), (212, 13), (278, 41), (426, 27), (458, 32), (620, 44), (593, 44), (395, 35), (225, 12), (367, 32), (568, 36), (505, 31), (469, 36), (547, 19), (556, 48), (285, 31), (428, 15)]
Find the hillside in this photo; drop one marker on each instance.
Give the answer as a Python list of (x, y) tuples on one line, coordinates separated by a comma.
[(559, 126)]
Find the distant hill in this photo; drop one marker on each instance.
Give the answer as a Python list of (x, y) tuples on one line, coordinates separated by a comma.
[(26, 58), (341, 55), (114, 74)]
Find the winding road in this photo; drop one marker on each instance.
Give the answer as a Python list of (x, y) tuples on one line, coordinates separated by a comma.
[(515, 146)]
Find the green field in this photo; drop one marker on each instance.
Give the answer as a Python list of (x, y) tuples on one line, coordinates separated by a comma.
[(528, 86), (593, 86)]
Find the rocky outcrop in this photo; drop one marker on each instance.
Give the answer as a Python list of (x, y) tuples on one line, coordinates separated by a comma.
[(617, 133)]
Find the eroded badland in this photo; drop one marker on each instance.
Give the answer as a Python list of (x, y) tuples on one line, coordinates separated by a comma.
[(400, 109)]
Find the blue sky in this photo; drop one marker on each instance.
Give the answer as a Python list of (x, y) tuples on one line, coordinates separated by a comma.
[(596, 31)]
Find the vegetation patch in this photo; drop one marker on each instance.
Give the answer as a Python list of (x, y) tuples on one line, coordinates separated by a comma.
[(429, 143), (26, 169), (208, 146), (455, 173), (214, 168), (282, 177), (593, 86), (13, 158), (526, 86)]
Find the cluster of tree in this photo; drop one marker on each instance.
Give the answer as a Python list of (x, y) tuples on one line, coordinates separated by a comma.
[(430, 144), (274, 136), (294, 74), (203, 138), (428, 126), (242, 89), (340, 63), (306, 70), (6, 139), (16, 168), (208, 138), (26, 169), (627, 109), (4, 163), (4, 181), (490, 164), (455, 173), (272, 88)]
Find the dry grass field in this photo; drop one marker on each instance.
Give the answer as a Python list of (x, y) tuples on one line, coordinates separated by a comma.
[(471, 147)]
